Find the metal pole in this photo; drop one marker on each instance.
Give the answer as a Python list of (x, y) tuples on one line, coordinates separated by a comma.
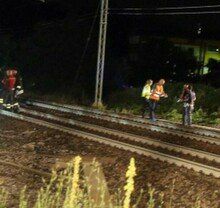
[(101, 54)]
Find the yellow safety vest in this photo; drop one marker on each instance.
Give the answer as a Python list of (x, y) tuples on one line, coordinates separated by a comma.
[(146, 92)]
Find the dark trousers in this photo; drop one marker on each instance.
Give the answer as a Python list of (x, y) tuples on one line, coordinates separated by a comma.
[(187, 115), (16, 106), (8, 96), (146, 106), (1, 98), (153, 106)]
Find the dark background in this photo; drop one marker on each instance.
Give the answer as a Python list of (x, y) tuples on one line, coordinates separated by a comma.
[(46, 42)]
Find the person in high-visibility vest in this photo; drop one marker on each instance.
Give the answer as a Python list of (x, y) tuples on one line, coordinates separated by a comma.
[(155, 96), (146, 92)]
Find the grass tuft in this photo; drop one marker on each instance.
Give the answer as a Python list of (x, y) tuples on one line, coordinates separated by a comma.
[(67, 189)]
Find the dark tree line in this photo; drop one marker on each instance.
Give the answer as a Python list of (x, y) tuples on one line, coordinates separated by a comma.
[(49, 56), (155, 59)]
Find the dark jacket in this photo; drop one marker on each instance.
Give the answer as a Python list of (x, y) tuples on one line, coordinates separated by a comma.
[(189, 97)]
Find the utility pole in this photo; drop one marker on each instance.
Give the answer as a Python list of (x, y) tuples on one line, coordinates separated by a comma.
[(101, 54)]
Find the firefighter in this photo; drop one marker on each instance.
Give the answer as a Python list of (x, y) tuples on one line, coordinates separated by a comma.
[(18, 90), (146, 92), (155, 96), (9, 86)]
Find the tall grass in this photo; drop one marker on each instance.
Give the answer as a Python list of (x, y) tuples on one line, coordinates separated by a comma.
[(68, 190), (3, 198)]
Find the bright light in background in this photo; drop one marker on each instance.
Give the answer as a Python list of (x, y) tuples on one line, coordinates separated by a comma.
[(205, 70), (199, 29)]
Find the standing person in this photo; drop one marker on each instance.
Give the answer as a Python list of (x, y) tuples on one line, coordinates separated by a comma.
[(188, 98), (8, 88), (18, 90), (155, 96), (146, 92)]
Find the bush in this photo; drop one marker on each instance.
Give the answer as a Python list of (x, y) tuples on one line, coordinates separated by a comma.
[(207, 108), (199, 116), (173, 115), (128, 99)]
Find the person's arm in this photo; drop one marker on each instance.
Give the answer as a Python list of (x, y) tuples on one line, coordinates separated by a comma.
[(4, 81), (163, 94), (143, 94), (192, 98), (148, 91), (157, 90), (182, 95)]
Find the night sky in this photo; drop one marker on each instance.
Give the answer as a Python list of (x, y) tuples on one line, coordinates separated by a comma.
[(22, 15), (48, 39)]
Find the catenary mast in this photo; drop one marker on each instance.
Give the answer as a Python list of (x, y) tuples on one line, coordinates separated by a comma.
[(101, 53)]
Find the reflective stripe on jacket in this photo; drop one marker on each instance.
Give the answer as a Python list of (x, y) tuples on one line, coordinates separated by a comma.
[(157, 93)]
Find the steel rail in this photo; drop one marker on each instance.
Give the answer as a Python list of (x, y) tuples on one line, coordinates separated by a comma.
[(132, 137), (200, 130), (128, 122), (121, 145), (26, 169), (199, 127)]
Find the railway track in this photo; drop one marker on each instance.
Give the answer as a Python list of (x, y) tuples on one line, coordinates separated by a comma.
[(129, 136), (199, 136), (59, 123), (195, 129)]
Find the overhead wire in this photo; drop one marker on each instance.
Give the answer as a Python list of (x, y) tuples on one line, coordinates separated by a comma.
[(48, 24), (180, 10), (133, 12), (168, 8), (188, 7), (164, 13)]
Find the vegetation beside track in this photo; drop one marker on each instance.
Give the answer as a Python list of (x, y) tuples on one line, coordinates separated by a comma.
[(207, 109), (129, 101), (67, 189)]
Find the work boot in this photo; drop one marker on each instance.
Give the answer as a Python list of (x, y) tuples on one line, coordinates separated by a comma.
[(16, 110)]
